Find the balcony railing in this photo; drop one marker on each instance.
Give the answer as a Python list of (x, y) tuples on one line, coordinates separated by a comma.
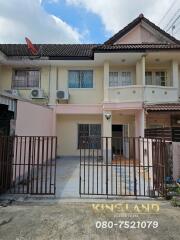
[(146, 93)]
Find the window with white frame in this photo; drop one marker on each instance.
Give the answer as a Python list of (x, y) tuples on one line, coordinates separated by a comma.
[(148, 78), (122, 78), (80, 79), (89, 136), (161, 78), (25, 78), (157, 78)]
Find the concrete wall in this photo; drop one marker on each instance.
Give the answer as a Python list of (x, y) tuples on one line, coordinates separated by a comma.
[(33, 120), (176, 160)]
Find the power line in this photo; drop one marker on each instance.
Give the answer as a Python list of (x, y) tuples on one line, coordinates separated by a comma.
[(167, 25), (173, 24), (172, 4)]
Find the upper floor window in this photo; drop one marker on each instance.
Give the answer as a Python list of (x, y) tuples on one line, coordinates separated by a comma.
[(25, 79), (117, 79), (158, 78), (148, 77), (80, 79)]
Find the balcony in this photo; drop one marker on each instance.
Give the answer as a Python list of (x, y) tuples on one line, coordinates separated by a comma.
[(139, 93)]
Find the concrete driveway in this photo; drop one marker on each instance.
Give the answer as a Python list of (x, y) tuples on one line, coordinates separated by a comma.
[(77, 221)]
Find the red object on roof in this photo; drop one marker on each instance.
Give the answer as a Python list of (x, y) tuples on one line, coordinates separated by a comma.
[(31, 47), (162, 107)]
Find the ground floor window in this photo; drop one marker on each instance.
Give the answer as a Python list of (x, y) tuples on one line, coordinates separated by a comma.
[(90, 132)]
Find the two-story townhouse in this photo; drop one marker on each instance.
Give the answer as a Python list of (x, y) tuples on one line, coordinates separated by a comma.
[(118, 88)]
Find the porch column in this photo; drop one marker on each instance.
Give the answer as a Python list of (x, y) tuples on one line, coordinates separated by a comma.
[(175, 80), (140, 123), (106, 81), (140, 71), (107, 132), (52, 85), (143, 70)]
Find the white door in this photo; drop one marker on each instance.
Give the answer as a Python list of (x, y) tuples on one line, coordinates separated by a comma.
[(126, 141)]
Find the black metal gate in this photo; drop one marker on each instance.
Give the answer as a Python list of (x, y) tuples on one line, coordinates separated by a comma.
[(28, 165), (122, 166)]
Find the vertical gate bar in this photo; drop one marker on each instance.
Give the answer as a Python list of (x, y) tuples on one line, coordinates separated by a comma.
[(144, 168), (11, 164), (42, 165), (24, 163), (129, 144), (148, 166), (124, 158), (37, 169), (158, 166), (120, 162), (19, 177), (139, 163), (84, 168), (107, 167), (102, 177), (51, 163), (32, 168), (55, 161), (164, 172), (134, 165), (93, 171), (46, 165), (97, 172), (29, 162), (89, 146), (153, 167), (114, 140), (15, 163), (80, 145), (116, 166)]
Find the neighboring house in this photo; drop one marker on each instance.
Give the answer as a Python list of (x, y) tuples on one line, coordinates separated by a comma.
[(110, 89)]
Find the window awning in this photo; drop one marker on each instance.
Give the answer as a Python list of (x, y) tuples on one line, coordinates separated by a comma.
[(8, 100), (162, 107)]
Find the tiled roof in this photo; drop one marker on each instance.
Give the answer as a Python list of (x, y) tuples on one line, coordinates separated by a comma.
[(162, 107), (136, 47), (132, 24), (52, 51), (81, 51)]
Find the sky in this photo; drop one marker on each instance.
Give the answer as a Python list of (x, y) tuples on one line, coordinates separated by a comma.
[(79, 21)]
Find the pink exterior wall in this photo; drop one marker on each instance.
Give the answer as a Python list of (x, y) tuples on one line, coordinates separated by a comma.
[(33, 120)]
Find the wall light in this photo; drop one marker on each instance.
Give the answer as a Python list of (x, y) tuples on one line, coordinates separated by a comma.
[(108, 116)]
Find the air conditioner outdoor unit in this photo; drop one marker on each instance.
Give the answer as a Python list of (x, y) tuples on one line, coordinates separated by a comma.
[(62, 95), (37, 93), (13, 92)]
